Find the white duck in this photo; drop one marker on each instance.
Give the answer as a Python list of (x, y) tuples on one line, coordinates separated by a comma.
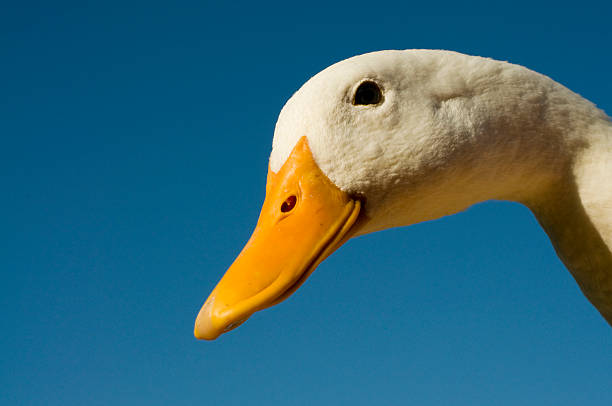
[(393, 138)]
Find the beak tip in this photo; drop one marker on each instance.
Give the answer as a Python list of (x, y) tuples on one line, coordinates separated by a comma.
[(205, 328), (197, 334), (203, 336)]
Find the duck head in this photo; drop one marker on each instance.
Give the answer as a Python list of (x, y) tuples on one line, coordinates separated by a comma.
[(380, 140)]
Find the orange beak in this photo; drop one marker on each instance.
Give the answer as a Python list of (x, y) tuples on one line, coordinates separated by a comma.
[(304, 218)]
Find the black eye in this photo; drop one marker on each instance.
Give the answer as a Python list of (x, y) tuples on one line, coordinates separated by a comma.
[(288, 204), (367, 93)]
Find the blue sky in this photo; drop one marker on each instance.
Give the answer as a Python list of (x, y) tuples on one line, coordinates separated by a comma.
[(135, 139)]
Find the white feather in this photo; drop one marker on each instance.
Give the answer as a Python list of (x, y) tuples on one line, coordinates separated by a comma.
[(454, 130)]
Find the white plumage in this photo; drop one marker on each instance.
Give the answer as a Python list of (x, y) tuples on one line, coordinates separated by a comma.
[(453, 130)]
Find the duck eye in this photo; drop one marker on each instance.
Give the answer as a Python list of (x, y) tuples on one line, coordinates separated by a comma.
[(288, 204), (367, 93)]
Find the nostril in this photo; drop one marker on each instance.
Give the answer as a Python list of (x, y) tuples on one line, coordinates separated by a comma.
[(289, 204)]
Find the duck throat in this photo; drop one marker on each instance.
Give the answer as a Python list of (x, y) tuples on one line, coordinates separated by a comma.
[(577, 216)]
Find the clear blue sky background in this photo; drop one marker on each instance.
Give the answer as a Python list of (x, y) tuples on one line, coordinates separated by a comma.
[(133, 158)]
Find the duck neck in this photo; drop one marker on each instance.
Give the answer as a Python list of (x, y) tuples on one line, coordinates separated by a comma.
[(576, 213)]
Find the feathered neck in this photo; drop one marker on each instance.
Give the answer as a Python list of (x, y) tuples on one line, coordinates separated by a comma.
[(576, 213)]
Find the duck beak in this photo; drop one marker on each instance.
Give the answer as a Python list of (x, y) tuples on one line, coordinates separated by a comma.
[(304, 218)]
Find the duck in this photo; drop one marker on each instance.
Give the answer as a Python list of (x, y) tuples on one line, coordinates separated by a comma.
[(397, 137)]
